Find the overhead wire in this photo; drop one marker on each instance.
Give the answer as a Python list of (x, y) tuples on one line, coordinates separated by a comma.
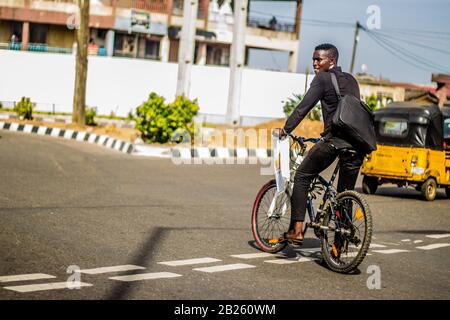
[(402, 53), (386, 37), (411, 42)]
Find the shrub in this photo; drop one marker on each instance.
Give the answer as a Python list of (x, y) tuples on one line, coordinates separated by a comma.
[(372, 102), (112, 115), (130, 116), (24, 108), (291, 103), (1, 105), (159, 122), (90, 116)]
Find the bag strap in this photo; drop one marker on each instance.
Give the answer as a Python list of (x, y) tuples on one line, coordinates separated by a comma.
[(335, 85)]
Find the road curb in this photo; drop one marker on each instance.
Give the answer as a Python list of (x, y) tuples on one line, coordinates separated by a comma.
[(140, 149), (103, 140)]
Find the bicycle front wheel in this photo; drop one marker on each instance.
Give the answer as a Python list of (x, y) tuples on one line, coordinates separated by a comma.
[(347, 232), (271, 217)]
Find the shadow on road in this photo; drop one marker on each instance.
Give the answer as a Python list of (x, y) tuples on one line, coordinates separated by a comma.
[(396, 192), (144, 256)]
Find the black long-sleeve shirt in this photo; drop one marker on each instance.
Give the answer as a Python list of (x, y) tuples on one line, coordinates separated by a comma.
[(322, 90)]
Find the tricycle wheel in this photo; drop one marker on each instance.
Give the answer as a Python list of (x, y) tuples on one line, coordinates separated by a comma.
[(428, 189), (369, 185)]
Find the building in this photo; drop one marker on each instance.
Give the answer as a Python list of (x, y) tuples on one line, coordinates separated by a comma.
[(146, 29), (383, 89)]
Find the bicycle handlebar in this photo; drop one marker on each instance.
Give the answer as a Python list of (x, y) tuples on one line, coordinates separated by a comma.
[(302, 140)]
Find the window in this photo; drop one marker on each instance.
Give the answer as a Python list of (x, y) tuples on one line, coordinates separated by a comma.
[(447, 128), (152, 49), (124, 45), (394, 128), (38, 33), (16, 29)]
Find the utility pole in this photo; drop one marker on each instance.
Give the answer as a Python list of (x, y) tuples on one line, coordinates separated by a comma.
[(355, 44), (306, 79), (81, 67), (237, 61), (187, 46)]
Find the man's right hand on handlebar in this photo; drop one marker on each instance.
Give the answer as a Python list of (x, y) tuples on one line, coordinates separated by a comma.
[(280, 133)]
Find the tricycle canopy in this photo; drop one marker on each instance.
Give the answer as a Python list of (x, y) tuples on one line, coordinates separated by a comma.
[(409, 124)]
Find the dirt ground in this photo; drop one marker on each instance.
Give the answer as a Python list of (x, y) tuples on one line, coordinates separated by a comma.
[(254, 135)]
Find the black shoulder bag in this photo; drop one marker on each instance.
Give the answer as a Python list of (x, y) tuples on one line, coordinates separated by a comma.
[(353, 121)]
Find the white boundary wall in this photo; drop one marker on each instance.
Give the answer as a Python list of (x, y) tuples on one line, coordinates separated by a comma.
[(121, 84)]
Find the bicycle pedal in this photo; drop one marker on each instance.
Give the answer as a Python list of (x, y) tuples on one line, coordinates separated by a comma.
[(274, 241)]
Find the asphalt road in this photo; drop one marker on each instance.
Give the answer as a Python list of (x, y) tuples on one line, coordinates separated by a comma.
[(67, 204)]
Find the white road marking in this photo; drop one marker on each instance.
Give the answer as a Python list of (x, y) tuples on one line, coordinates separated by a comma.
[(92, 137), (14, 126), (109, 143), (189, 262), (68, 134), (225, 267), (353, 254), (125, 147), (41, 130), (418, 241), (117, 145), (406, 240), (26, 277), (291, 260), (45, 286), (390, 251), (146, 276), (309, 249), (392, 243), (81, 135), (102, 139), (434, 246), (438, 236), (241, 153), (127, 267), (252, 255), (375, 245), (27, 128), (55, 132)]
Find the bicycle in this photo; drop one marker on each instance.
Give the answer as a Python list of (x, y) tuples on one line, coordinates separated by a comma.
[(343, 221)]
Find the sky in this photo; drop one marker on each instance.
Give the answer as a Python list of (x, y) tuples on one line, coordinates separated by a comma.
[(412, 42)]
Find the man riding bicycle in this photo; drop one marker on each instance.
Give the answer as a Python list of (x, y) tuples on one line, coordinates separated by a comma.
[(323, 153)]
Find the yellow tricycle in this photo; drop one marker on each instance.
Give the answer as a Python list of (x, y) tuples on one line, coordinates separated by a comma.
[(413, 149)]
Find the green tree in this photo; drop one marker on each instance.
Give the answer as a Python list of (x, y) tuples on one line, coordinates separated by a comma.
[(81, 65), (291, 103), (160, 122)]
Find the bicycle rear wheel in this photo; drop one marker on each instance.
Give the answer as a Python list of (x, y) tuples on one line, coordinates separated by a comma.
[(271, 217), (348, 233)]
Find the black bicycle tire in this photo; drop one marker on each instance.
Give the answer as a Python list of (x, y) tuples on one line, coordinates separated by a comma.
[(259, 242), (366, 241)]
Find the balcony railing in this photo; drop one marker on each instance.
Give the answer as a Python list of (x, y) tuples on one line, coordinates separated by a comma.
[(271, 25), (35, 47), (150, 5), (178, 6)]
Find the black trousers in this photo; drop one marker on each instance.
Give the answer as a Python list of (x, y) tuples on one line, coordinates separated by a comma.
[(320, 157)]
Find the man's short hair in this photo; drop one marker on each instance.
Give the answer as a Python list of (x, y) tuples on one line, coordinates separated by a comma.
[(334, 53)]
